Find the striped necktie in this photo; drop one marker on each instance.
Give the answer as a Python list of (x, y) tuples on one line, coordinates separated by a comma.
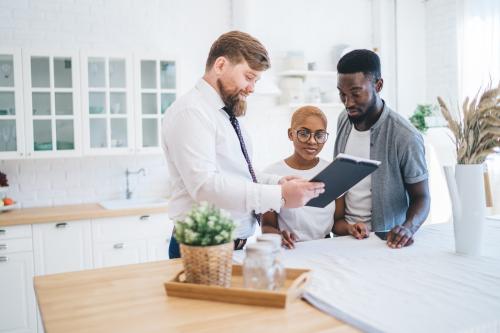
[(237, 129)]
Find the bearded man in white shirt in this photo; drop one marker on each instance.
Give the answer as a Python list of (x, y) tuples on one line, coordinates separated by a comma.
[(209, 153)]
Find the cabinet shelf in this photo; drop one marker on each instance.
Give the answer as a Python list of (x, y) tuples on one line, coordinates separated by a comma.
[(305, 73), (318, 105)]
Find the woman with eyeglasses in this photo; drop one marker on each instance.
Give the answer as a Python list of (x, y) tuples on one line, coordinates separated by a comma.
[(308, 134)]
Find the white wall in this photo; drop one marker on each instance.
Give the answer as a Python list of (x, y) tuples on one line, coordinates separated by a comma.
[(314, 27), (182, 28), (411, 55), (442, 51)]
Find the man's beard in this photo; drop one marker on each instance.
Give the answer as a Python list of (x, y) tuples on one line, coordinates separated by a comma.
[(232, 101), (369, 110)]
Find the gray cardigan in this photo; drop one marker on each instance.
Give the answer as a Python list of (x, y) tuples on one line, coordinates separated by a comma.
[(400, 148)]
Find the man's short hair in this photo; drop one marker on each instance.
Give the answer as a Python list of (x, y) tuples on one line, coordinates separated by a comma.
[(364, 61), (238, 46)]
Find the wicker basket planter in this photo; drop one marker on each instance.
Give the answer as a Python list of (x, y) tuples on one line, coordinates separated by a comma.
[(209, 265)]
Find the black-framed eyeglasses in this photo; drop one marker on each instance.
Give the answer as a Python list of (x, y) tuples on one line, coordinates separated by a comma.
[(304, 135)]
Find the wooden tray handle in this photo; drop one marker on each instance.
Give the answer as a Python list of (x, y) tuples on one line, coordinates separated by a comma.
[(297, 287), (180, 277)]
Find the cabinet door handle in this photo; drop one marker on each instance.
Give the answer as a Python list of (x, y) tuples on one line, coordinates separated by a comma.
[(61, 225), (3, 246), (144, 218), (4, 259), (3, 232), (119, 246)]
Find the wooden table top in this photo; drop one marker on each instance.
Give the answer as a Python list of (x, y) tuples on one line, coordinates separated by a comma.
[(133, 299), (68, 213)]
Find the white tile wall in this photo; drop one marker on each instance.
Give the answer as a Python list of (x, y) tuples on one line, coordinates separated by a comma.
[(48, 182)]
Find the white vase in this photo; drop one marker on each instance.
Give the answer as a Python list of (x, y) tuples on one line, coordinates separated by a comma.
[(466, 187)]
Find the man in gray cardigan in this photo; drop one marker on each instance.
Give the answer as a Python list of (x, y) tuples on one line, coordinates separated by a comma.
[(395, 198)]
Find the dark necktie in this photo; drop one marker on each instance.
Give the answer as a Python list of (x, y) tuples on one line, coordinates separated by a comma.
[(237, 129)]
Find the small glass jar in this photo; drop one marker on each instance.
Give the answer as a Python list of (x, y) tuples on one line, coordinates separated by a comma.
[(258, 266), (279, 267)]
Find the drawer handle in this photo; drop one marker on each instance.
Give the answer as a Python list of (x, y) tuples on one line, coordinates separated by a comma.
[(61, 225), (3, 232), (144, 218), (4, 259), (3, 246), (119, 246)]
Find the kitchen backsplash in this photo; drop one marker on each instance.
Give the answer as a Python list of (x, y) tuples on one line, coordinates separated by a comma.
[(50, 182)]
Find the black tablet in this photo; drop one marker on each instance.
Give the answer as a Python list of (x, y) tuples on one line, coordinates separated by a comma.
[(339, 176)]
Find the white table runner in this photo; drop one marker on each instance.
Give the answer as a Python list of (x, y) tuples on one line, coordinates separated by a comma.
[(422, 288)]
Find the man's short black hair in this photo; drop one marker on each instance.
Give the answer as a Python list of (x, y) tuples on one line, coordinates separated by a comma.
[(364, 61)]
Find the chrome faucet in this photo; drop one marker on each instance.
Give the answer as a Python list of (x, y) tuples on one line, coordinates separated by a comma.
[(128, 192)]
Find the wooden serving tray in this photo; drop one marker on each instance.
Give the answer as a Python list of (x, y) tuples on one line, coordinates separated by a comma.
[(296, 280)]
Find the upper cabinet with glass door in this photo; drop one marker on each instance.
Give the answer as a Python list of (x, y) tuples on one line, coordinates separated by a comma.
[(107, 104), (156, 89), (52, 117), (11, 110)]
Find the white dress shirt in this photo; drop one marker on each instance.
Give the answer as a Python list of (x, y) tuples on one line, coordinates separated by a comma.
[(205, 161)]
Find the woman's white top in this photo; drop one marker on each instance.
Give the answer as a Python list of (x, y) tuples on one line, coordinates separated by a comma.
[(307, 223)]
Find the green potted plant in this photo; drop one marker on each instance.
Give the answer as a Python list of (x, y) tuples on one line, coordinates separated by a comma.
[(205, 238), (423, 115)]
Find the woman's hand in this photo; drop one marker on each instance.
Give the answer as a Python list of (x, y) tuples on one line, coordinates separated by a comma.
[(358, 230), (288, 239)]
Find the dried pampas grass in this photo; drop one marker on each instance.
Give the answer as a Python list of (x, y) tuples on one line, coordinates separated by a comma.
[(477, 128)]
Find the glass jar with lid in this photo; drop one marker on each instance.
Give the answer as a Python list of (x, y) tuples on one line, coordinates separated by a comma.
[(258, 266), (279, 268)]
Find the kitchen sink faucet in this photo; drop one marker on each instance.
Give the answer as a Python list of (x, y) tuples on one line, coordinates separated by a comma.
[(128, 192)]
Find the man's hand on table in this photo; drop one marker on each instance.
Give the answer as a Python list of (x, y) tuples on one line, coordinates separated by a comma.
[(400, 236)]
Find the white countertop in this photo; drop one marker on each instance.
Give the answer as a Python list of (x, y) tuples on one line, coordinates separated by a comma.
[(426, 287)]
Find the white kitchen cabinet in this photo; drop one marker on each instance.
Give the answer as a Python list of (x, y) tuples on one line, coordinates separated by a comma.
[(120, 253), (11, 105), (49, 248), (62, 247), (156, 81), (51, 106), (18, 231), (52, 103), (17, 297), (107, 103), (158, 248), (131, 239)]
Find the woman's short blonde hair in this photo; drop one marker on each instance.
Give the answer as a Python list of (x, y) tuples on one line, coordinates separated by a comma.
[(305, 112)]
